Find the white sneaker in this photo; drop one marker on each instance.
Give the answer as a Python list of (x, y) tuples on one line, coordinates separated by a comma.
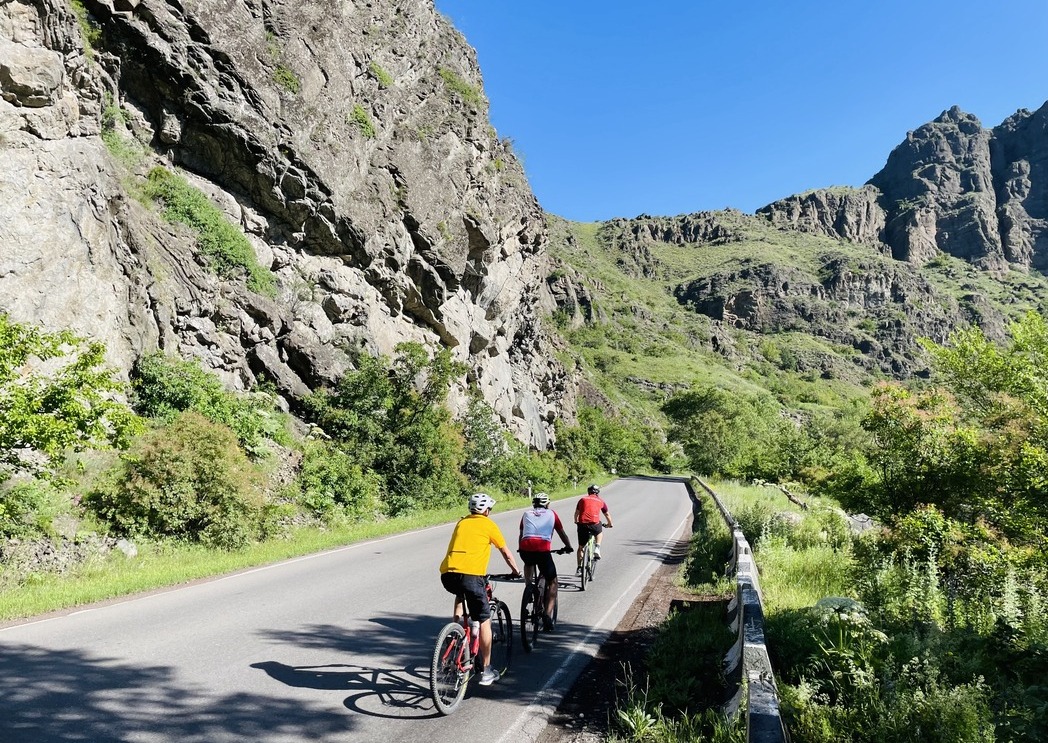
[(596, 551), (489, 677)]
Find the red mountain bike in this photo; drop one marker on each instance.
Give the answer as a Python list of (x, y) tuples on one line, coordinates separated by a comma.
[(458, 650)]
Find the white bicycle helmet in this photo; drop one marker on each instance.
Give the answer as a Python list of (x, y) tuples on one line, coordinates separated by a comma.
[(480, 502), (540, 500)]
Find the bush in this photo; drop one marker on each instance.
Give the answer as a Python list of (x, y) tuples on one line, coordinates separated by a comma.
[(187, 480), (27, 508), (333, 486), (165, 386)]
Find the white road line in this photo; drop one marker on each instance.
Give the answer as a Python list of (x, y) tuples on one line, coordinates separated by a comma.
[(535, 717)]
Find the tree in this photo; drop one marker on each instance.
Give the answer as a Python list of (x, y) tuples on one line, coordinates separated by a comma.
[(391, 416), (56, 395)]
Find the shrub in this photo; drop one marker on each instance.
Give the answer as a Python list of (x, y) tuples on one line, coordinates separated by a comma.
[(363, 122), (187, 480), (27, 508), (385, 80), (70, 407), (333, 485), (285, 78), (165, 386), (465, 91), (224, 247)]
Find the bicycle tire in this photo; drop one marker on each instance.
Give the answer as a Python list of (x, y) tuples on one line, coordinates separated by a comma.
[(592, 568), (529, 617), (501, 636), (447, 680), (587, 557)]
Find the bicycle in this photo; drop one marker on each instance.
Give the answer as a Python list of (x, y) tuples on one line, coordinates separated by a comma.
[(533, 607), (590, 559), (457, 651)]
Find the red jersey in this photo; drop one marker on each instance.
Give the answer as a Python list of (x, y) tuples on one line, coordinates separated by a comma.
[(589, 509)]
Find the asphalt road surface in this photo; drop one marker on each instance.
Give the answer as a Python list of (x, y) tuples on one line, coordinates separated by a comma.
[(330, 647)]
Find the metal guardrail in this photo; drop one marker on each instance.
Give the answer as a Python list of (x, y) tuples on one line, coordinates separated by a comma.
[(747, 663)]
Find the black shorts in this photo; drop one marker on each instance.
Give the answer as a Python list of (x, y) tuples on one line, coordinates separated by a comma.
[(543, 561), (585, 530), (473, 588)]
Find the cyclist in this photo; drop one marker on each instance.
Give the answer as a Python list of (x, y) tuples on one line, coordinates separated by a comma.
[(535, 543), (465, 568), (587, 518)]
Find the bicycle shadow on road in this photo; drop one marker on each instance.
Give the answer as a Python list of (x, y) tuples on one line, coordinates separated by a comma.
[(397, 689), (401, 638), (380, 692)]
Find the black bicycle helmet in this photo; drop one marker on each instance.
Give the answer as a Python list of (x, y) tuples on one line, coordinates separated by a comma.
[(593, 489)]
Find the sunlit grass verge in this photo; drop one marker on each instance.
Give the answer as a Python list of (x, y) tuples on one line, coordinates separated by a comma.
[(678, 694), (162, 564), (159, 565)]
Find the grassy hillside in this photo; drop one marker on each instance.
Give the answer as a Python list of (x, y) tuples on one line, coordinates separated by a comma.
[(640, 342)]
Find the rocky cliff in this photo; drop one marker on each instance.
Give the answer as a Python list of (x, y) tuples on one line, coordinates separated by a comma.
[(951, 187), (349, 143)]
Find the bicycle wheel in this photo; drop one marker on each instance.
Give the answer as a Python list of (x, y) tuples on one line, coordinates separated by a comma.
[(448, 674), (591, 568), (530, 617), (501, 636), (587, 558)]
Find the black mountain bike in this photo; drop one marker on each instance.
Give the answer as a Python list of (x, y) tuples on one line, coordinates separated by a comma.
[(457, 651), (533, 607)]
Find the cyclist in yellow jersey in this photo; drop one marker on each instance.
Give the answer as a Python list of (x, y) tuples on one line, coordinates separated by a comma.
[(465, 567)]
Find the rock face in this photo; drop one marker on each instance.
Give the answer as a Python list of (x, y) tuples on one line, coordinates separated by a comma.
[(951, 187), (349, 141)]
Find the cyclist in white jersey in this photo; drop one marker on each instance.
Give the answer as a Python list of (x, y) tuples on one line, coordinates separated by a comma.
[(536, 541)]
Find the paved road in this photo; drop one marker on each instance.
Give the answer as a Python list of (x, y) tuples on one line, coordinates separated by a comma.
[(330, 647)]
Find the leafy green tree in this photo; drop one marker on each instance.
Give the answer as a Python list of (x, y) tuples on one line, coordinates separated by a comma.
[(724, 433), (391, 416), (486, 444), (56, 395)]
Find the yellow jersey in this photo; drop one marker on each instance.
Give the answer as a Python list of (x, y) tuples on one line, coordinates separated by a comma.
[(470, 545)]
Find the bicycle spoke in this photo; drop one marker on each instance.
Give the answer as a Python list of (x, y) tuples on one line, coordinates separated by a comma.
[(501, 636), (447, 676)]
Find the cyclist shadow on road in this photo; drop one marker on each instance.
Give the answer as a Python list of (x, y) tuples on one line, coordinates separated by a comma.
[(399, 688), (380, 692)]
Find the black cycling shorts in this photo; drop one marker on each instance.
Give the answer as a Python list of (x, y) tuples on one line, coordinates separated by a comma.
[(473, 588), (542, 560), (585, 530)]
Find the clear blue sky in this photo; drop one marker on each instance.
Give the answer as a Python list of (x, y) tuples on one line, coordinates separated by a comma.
[(668, 107)]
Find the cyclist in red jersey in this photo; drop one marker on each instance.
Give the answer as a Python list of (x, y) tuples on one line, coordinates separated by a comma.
[(587, 519)]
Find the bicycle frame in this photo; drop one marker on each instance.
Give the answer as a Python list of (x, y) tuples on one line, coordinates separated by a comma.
[(457, 650)]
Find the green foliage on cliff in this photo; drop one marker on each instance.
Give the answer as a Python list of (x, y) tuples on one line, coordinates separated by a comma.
[(224, 247)]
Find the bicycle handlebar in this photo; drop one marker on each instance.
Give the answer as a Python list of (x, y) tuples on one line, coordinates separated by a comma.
[(565, 550), (506, 577)]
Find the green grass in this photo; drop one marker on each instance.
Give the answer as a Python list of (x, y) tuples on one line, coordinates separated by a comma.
[(166, 564), (385, 80), (224, 246), (464, 90), (362, 120), (285, 78)]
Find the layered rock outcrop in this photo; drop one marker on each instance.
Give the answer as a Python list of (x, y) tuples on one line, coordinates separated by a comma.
[(951, 187), (349, 141)]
